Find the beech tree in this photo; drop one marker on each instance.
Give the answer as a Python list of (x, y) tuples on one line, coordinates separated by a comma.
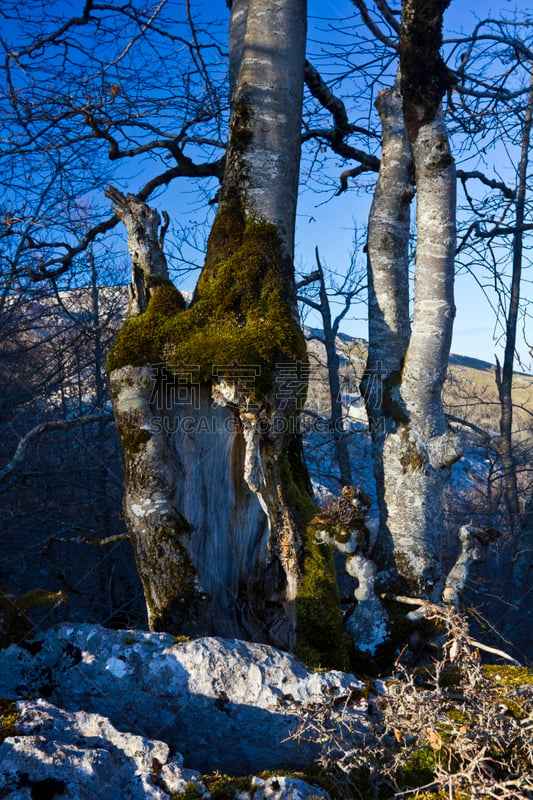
[(216, 489), (407, 362), (207, 395)]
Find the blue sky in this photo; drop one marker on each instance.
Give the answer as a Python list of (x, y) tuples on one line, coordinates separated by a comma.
[(327, 221), (330, 225)]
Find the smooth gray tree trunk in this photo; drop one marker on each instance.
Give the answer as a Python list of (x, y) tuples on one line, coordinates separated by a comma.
[(407, 362)]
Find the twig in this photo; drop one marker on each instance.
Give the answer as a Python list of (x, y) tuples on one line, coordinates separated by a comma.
[(58, 425), (434, 608)]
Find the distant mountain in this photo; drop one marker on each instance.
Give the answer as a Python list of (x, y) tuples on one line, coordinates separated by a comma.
[(471, 363)]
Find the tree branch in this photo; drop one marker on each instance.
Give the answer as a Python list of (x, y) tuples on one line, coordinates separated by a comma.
[(490, 182), (342, 126), (373, 28), (44, 427), (433, 608)]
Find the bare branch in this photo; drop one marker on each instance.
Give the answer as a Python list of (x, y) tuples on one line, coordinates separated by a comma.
[(373, 28), (119, 537), (342, 127), (490, 182), (44, 427), (351, 173), (434, 608)]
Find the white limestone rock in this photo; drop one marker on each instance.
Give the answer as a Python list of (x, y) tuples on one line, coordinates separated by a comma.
[(224, 704), (279, 788), (82, 756)]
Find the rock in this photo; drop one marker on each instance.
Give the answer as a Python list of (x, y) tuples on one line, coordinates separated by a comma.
[(224, 704), (77, 755), (287, 789)]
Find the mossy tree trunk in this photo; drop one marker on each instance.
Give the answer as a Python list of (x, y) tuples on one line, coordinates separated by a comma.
[(207, 398), (413, 446)]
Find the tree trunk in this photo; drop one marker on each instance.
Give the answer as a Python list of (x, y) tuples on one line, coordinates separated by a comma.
[(332, 361), (216, 490), (413, 446), (521, 528), (388, 300)]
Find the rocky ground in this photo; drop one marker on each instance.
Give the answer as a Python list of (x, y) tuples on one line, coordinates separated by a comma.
[(95, 713)]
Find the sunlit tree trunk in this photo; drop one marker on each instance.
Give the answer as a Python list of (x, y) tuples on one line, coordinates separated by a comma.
[(413, 446), (216, 491)]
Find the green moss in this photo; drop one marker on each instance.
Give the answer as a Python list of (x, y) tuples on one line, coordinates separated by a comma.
[(419, 768), (440, 794), (133, 438), (321, 638), (241, 126), (186, 604), (15, 625), (239, 314), (8, 718), (508, 675), (514, 708), (192, 791), (130, 640), (224, 787), (458, 716), (411, 458)]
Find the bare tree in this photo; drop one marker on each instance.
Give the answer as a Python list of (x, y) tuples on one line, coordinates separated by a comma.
[(413, 445), (331, 325)]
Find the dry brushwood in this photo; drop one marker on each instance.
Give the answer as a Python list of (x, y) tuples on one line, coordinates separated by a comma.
[(452, 730)]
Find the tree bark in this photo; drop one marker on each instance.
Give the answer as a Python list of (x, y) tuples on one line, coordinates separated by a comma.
[(388, 299), (216, 490), (413, 446)]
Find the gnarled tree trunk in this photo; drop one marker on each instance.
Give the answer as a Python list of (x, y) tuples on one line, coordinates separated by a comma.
[(216, 490)]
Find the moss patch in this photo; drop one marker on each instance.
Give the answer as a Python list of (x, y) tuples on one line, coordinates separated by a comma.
[(133, 438), (321, 638), (419, 768), (508, 675), (8, 718), (224, 787), (239, 314), (192, 791), (15, 625), (186, 604), (321, 641)]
